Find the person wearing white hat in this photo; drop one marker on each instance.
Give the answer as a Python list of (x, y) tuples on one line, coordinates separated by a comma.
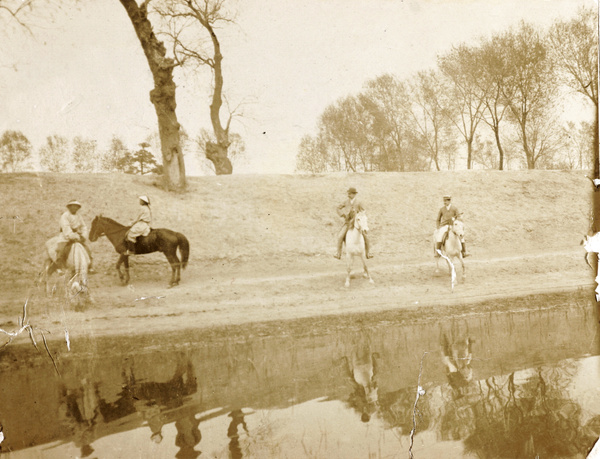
[(140, 226), (72, 229), (447, 214)]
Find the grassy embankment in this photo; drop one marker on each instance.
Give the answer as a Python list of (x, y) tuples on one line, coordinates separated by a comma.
[(279, 221)]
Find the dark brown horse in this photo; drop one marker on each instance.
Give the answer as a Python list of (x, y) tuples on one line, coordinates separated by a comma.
[(159, 240)]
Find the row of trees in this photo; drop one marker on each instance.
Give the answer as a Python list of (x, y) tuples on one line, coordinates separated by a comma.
[(513, 83), (58, 154)]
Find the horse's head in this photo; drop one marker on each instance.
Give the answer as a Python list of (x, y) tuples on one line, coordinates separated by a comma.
[(458, 228), (360, 221), (96, 229)]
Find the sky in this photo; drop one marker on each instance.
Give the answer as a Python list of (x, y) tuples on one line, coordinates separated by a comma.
[(82, 70)]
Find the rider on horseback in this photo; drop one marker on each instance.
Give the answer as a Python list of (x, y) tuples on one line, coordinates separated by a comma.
[(348, 209), (140, 226), (445, 218), (72, 229)]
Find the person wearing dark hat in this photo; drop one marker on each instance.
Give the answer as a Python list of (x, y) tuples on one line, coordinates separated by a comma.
[(446, 216), (347, 210), (72, 229), (140, 226)]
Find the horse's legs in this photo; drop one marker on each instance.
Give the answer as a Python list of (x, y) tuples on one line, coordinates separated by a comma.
[(348, 268), (123, 260), (175, 266), (462, 262), (126, 263), (47, 272), (366, 274)]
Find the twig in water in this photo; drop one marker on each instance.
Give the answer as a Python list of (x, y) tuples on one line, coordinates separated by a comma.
[(420, 391)]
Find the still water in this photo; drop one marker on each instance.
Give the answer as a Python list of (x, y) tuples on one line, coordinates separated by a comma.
[(510, 384)]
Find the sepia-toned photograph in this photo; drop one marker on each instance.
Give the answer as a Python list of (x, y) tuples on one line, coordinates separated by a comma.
[(299, 229)]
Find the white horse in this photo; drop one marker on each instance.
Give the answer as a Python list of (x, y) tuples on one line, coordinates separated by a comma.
[(452, 247), (355, 245), (78, 262)]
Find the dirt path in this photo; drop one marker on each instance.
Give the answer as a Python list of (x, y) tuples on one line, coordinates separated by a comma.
[(222, 294)]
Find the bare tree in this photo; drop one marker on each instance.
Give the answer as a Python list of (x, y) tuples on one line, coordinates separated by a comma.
[(347, 126), (574, 46), (163, 94), (491, 78), (312, 155), (430, 121), (110, 159), (388, 100), (235, 151), (530, 87), (191, 22), (84, 154), (15, 149), (54, 155), (14, 9), (466, 98)]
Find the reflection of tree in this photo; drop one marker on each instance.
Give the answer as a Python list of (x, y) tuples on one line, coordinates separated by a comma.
[(505, 417), (396, 409)]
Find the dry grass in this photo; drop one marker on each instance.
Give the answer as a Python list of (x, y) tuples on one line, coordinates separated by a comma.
[(268, 218)]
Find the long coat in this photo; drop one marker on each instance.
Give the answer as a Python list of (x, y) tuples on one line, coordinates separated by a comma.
[(141, 225), (71, 227), (349, 209)]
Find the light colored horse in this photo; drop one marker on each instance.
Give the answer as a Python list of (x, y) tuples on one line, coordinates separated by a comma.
[(78, 262), (355, 245), (452, 248)]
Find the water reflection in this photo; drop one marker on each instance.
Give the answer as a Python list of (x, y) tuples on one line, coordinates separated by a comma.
[(361, 369), (237, 419), (500, 385)]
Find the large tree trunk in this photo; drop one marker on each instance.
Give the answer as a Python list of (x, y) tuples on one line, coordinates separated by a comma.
[(500, 150), (596, 147), (469, 152), (162, 96), (528, 153), (218, 152)]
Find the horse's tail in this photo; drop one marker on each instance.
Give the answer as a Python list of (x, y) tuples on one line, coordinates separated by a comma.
[(184, 248)]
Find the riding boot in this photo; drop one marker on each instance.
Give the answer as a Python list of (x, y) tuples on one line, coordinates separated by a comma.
[(464, 250), (438, 246), (87, 248), (340, 245), (367, 245), (130, 247)]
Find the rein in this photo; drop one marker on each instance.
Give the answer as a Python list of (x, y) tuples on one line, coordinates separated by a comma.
[(105, 233)]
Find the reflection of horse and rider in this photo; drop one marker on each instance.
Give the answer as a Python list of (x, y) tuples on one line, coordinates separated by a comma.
[(361, 370)]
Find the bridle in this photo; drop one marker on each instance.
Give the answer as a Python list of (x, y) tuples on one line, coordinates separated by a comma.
[(104, 233)]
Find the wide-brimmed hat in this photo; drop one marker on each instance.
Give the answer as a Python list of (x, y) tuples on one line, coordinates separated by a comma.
[(352, 190), (145, 199), (73, 203)]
